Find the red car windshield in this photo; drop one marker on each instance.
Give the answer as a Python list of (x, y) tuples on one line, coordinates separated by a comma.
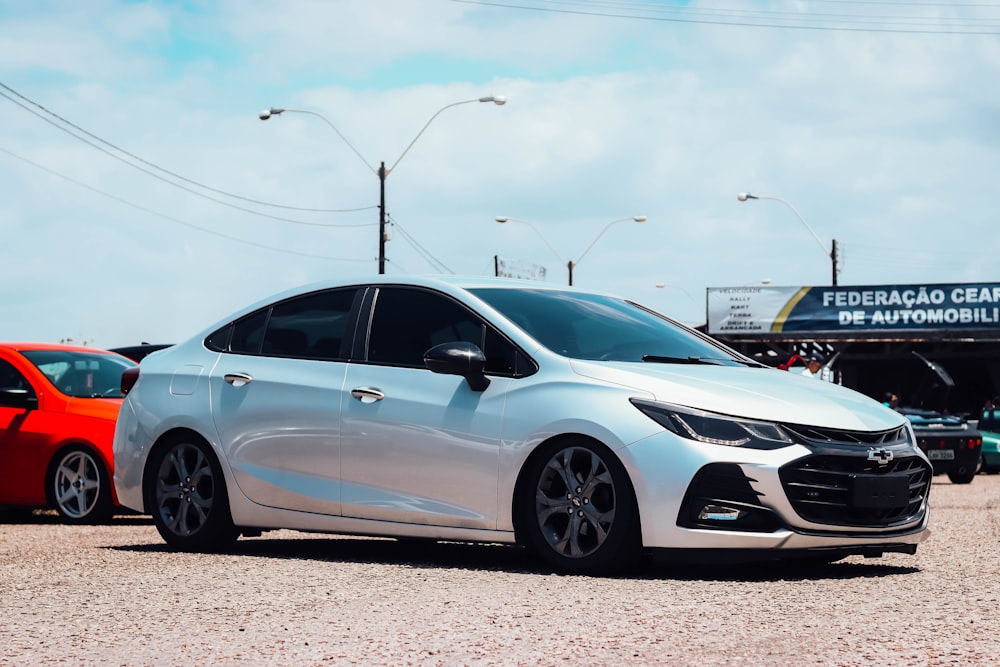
[(81, 374)]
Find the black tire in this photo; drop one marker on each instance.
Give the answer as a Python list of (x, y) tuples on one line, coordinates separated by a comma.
[(577, 509), (963, 475), (80, 487), (185, 492)]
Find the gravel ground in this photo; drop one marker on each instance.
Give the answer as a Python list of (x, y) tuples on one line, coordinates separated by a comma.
[(114, 595)]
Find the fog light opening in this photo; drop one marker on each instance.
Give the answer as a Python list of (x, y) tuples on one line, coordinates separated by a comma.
[(720, 513)]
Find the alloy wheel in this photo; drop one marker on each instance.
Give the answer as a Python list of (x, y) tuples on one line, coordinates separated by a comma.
[(575, 502), (185, 489), (77, 485)]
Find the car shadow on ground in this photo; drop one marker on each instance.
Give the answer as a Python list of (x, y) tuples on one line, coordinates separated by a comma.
[(43, 517), (425, 554)]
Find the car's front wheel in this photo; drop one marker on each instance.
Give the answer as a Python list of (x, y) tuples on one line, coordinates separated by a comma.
[(186, 495), (81, 487), (578, 508)]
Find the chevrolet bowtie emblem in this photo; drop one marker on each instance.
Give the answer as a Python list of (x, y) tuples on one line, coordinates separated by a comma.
[(881, 456)]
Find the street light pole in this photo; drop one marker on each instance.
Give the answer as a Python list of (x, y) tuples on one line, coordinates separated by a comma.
[(832, 254), (636, 218), (570, 264), (381, 172)]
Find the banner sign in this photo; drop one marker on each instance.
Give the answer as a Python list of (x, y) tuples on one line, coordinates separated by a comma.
[(757, 310), (515, 268)]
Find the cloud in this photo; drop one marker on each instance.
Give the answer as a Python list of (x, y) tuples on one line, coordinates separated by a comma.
[(885, 141)]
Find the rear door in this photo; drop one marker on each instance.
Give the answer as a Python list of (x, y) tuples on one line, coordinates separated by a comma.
[(277, 394)]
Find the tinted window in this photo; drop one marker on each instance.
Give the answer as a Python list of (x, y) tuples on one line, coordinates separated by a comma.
[(407, 322), (313, 326), (81, 374), (248, 333), (11, 378), (589, 326)]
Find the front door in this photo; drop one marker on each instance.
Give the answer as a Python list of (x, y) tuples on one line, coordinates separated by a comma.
[(418, 447)]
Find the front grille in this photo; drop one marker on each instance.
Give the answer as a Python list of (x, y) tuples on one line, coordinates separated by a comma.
[(827, 436), (822, 488)]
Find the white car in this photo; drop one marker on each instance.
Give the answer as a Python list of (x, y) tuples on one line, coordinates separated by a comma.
[(583, 426)]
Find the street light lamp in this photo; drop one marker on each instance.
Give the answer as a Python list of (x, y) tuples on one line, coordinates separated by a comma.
[(744, 196), (381, 172), (570, 264), (686, 293)]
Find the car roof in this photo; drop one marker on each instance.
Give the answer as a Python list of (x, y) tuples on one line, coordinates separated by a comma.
[(437, 280), (22, 346), (455, 285), (450, 284)]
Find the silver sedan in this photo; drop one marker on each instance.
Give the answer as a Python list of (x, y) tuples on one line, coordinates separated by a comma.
[(583, 426)]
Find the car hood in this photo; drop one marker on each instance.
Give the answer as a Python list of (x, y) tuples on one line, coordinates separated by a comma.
[(756, 393)]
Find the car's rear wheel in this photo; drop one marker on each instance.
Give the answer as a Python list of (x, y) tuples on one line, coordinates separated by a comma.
[(579, 510), (81, 487), (963, 475), (187, 496)]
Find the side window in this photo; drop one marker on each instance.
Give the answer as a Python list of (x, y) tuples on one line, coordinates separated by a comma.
[(501, 355), (11, 378), (14, 387), (407, 322), (313, 326), (247, 333)]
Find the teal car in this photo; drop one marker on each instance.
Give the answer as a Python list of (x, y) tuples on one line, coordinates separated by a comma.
[(989, 426)]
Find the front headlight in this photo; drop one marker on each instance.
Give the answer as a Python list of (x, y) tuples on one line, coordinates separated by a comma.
[(714, 429)]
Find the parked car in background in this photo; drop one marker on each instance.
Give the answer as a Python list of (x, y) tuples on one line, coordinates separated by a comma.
[(58, 405), (583, 426), (989, 429), (950, 442), (138, 352)]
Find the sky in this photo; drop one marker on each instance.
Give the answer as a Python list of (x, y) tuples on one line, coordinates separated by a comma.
[(143, 198)]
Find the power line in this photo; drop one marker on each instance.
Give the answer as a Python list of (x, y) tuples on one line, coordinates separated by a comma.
[(423, 252), (761, 19), (167, 181), (173, 219)]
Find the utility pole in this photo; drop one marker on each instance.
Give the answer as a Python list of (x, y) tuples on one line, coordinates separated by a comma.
[(382, 172), (381, 220), (833, 259)]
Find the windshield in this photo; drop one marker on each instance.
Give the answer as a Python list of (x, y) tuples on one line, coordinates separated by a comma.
[(81, 374), (596, 327)]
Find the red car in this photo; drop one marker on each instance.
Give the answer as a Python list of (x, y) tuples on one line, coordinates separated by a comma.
[(58, 407)]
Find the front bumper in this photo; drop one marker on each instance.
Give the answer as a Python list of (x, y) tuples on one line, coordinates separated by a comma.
[(696, 496)]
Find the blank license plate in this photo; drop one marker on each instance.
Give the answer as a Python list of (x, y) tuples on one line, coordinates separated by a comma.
[(880, 492), (941, 454)]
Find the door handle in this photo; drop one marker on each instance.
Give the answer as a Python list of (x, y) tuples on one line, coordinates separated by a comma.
[(237, 379), (367, 394)]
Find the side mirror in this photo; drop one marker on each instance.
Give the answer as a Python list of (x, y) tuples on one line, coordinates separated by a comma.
[(18, 398), (458, 358)]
